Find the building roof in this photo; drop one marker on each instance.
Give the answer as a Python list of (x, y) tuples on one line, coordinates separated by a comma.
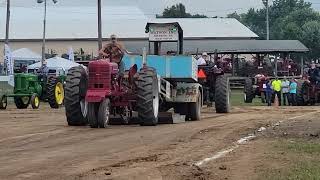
[(246, 46), (227, 46), (210, 27), (126, 22)]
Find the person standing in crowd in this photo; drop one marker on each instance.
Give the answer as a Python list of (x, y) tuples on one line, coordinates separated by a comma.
[(293, 92), (202, 59), (285, 90), (314, 74), (276, 85), (268, 91)]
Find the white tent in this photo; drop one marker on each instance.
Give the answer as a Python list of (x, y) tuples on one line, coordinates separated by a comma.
[(56, 63), (26, 55)]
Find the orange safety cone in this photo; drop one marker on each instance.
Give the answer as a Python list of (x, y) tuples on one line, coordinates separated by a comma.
[(276, 101), (201, 74)]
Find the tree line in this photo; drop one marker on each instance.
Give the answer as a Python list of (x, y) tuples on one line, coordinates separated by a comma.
[(289, 20)]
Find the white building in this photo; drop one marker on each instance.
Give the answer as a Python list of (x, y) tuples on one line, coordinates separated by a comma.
[(77, 27)]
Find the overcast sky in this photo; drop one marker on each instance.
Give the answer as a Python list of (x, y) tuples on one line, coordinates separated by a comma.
[(151, 7)]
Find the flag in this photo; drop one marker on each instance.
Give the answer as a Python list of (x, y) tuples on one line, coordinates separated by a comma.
[(71, 54), (9, 64)]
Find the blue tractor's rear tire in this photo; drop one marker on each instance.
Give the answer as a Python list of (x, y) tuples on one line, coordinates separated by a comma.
[(148, 97), (194, 113)]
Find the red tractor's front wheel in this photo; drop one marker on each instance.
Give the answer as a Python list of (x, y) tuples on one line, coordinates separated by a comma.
[(104, 113), (92, 115)]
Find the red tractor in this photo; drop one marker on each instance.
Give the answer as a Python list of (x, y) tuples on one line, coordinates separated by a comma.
[(254, 87), (107, 93), (308, 92), (287, 67)]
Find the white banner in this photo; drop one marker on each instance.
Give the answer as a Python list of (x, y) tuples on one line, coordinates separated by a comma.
[(8, 59), (71, 54), (9, 64)]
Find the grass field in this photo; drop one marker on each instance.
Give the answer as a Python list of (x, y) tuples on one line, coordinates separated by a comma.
[(302, 156), (237, 99)]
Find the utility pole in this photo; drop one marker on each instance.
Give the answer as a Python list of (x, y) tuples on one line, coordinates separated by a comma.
[(7, 23), (6, 41), (99, 26), (266, 3), (43, 57)]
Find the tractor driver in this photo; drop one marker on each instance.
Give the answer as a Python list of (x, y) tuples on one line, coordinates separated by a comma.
[(43, 70), (114, 50), (314, 74), (202, 60)]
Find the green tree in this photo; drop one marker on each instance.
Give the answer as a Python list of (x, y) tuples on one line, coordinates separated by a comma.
[(310, 35), (288, 20), (178, 11)]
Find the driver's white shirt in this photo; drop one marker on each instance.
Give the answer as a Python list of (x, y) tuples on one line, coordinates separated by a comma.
[(201, 61)]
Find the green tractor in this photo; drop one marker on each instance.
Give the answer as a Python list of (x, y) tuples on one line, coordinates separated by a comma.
[(31, 89)]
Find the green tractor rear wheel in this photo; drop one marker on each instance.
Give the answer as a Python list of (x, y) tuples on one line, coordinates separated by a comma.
[(22, 102), (3, 102), (55, 92)]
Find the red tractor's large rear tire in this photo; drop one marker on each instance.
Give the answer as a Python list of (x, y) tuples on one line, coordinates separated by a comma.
[(75, 91), (148, 97), (222, 94), (248, 91)]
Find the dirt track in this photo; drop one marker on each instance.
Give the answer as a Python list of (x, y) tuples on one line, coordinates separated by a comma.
[(39, 145)]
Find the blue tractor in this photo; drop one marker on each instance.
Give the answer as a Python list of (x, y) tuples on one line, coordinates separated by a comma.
[(151, 84)]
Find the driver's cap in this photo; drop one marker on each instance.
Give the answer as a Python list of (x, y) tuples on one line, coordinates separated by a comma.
[(113, 36), (204, 54)]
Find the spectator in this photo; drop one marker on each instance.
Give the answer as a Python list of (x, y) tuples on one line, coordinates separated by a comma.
[(314, 74), (293, 92), (268, 91), (202, 59), (285, 90), (276, 85)]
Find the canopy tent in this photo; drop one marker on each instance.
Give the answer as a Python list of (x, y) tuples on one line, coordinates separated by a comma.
[(245, 46), (26, 54), (226, 46), (56, 62)]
